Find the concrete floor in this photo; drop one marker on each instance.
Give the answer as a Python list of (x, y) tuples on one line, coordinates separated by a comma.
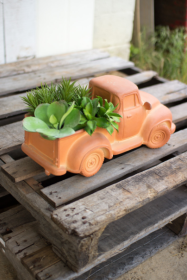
[(169, 264)]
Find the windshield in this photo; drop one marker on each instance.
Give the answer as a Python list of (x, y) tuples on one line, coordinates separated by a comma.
[(106, 95)]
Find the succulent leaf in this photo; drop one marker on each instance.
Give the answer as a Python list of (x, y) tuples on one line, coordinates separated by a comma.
[(110, 129), (92, 125), (53, 120), (41, 113), (115, 125), (66, 131), (95, 102), (32, 124), (82, 119), (58, 109), (73, 118), (101, 111), (102, 122), (66, 114)]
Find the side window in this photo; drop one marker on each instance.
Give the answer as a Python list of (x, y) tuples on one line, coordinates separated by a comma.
[(136, 100), (129, 101), (115, 100)]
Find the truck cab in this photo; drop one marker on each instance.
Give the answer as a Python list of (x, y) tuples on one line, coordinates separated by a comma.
[(140, 111)]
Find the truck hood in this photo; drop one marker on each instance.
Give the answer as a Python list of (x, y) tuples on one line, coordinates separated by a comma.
[(149, 98)]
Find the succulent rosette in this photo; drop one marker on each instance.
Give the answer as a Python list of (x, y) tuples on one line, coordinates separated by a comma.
[(52, 121)]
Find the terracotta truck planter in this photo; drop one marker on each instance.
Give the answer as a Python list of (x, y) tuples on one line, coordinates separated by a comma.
[(144, 121)]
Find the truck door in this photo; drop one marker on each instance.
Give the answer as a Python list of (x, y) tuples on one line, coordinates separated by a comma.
[(133, 115)]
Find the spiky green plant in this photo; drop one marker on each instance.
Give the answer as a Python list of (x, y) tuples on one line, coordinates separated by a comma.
[(66, 90)]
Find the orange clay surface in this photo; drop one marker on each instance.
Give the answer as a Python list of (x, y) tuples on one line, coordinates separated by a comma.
[(144, 121)]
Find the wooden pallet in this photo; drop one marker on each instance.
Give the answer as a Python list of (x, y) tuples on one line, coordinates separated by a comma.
[(33, 257), (134, 194)]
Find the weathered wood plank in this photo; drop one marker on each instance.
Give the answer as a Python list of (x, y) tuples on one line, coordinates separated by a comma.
[(66, 190), (160, 210), (12, 105), (142, 77), (26, 66), (173, 97), (22, 169), (34, 79), (13, 218), (165, 88), (40, 260), (113, 202), (133, 256), (179, 112), (41, 210), (11, 137)]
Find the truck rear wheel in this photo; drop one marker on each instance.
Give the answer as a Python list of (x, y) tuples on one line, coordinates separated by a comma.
[(159, 136), (92, 163)]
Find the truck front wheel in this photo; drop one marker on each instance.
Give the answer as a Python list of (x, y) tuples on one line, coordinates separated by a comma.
[(92, 163), (159, 136)]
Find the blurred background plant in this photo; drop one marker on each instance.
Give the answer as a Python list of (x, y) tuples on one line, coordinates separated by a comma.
[(163, 51)]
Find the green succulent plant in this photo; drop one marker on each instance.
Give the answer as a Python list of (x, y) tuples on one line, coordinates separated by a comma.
[(55, 120), (65, 90), (94, 113)]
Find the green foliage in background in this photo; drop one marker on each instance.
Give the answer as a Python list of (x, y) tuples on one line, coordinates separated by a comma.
[(66, 90), (163, 52)]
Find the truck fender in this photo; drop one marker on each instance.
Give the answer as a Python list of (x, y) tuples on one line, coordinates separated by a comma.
[(157, 116), (84, 145)]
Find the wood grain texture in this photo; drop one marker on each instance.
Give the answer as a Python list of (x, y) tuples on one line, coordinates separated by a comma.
[(14, 217), (22, 169), (34, 79), (134, 255), (12, 105), (89, 214), (11, 137), (179, 112), (40, 260), (150, 218), (165, 88), (35, 64), (77, 252), (142, 77), (66, 190), (173, 97)]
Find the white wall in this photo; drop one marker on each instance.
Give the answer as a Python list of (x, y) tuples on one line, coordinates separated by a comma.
[(19, 29), (2, 58), (64, 26), (113, 25), (49, 27)]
